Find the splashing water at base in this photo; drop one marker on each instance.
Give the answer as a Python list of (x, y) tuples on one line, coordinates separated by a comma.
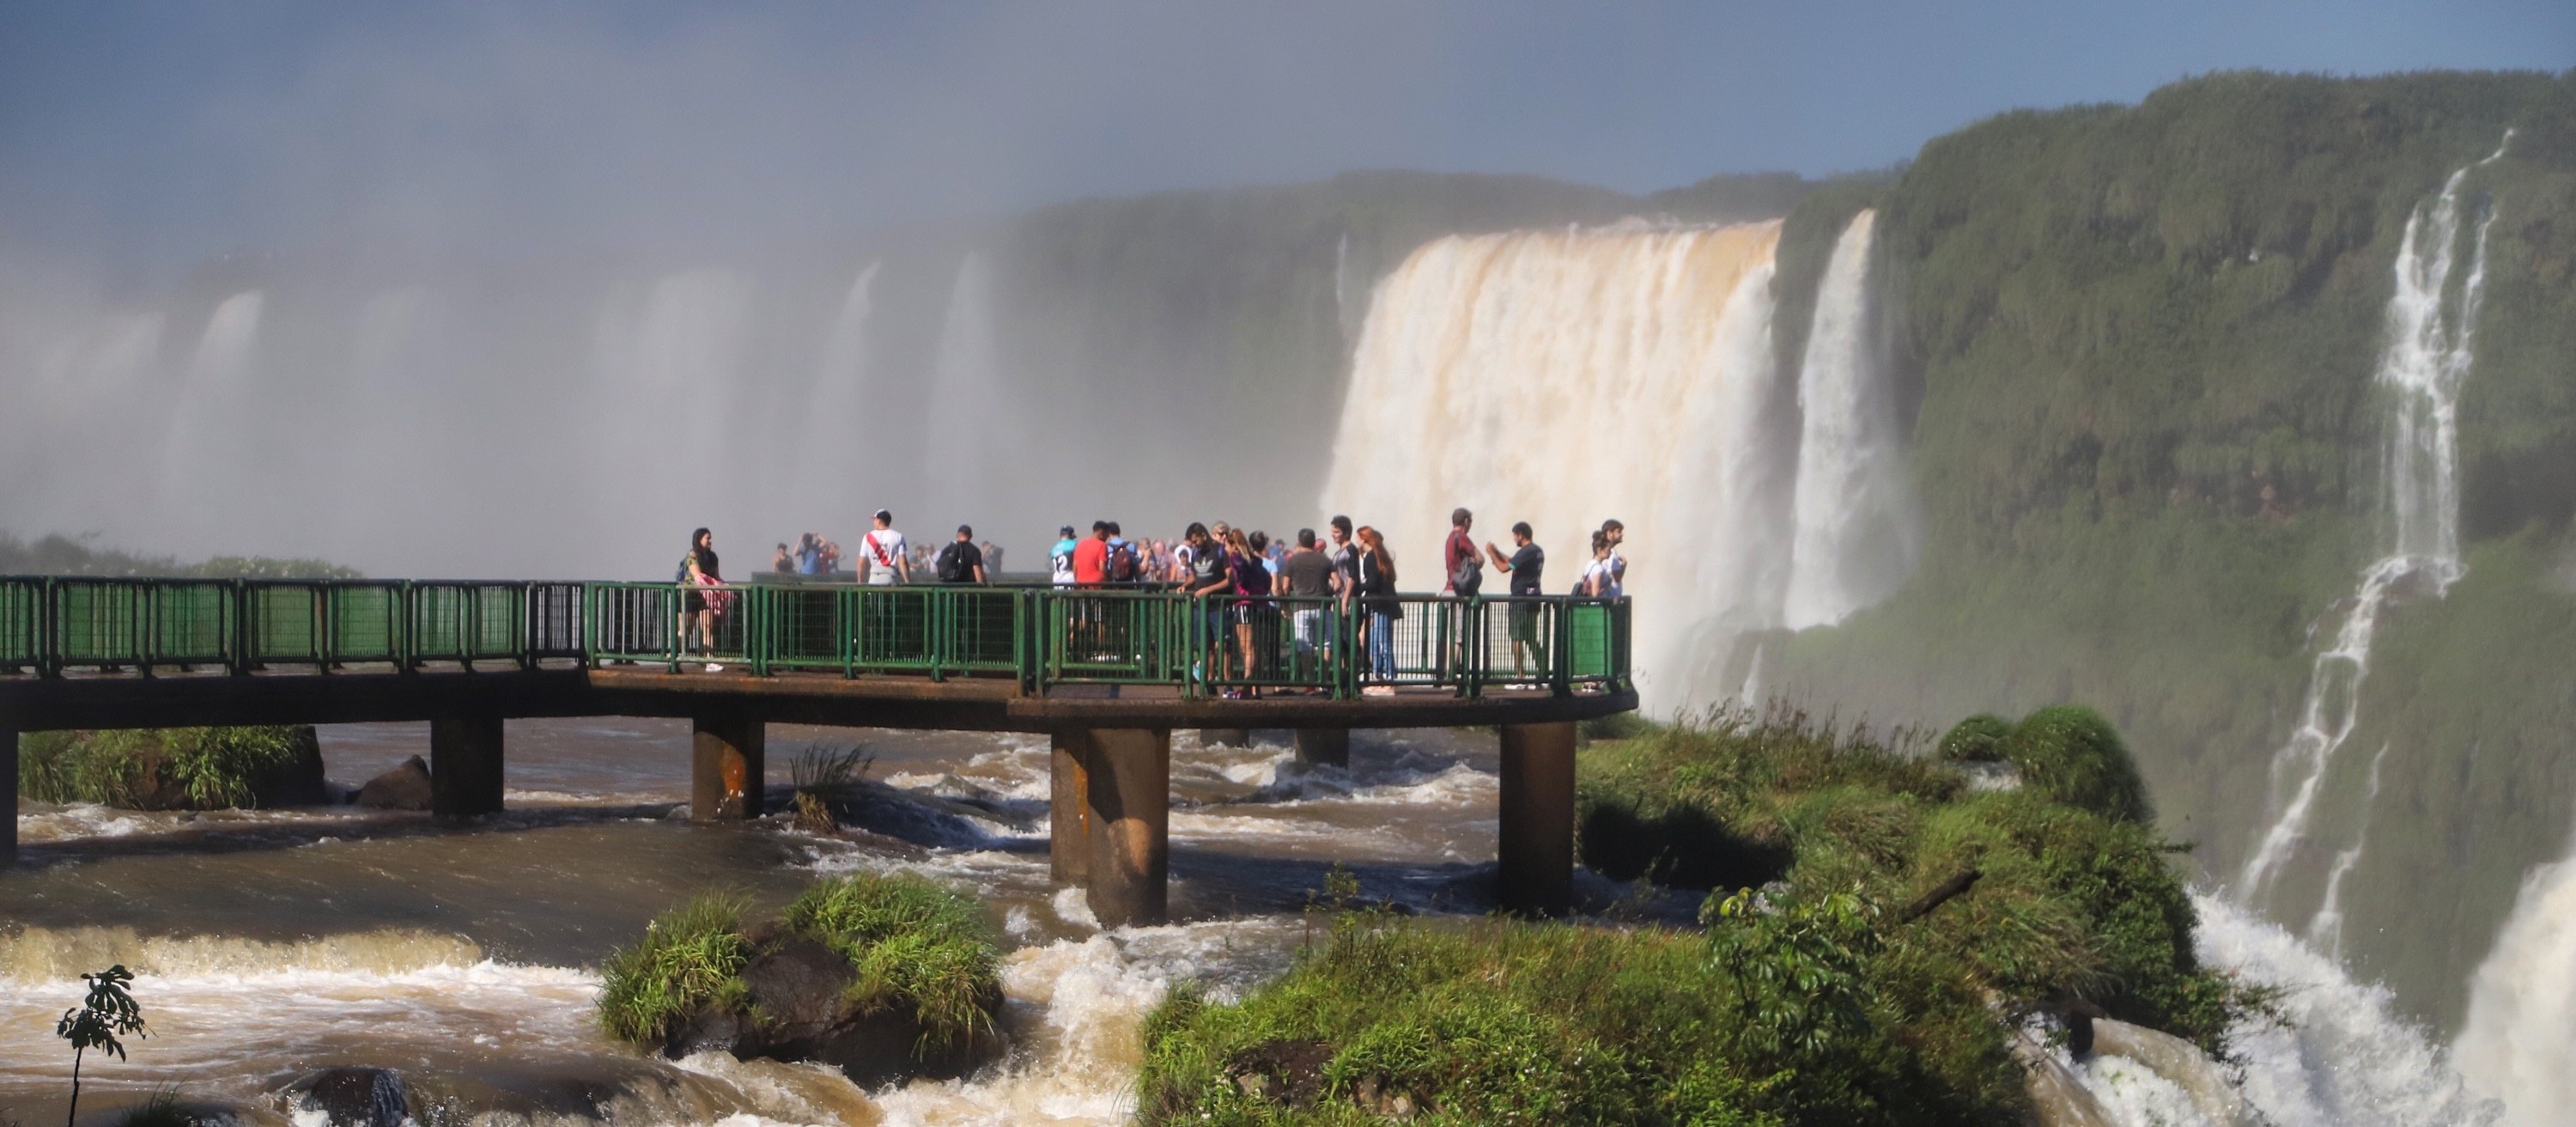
[(2340, 1058)]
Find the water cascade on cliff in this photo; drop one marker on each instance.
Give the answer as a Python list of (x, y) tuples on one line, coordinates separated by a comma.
[(967, 401), (1857, 528), (212, 400), (2431, 328), (1568, 376)]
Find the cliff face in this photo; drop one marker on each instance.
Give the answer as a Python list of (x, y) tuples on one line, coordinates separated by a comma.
[(2140, 346)]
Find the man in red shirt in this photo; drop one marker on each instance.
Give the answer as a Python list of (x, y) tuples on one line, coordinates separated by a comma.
[(1091, 569), (1091, 557), (1461, 548)]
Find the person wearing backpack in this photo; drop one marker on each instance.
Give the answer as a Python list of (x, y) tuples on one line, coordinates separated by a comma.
[(1459, 559), (961, 561), (1120, 565)]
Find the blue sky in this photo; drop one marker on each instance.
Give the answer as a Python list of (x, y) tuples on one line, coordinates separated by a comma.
[(158, 133)]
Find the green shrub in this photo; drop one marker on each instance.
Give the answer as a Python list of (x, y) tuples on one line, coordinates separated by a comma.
[(154, 768), (913, 942), (1499, 1021), (2073, 755), (1977, 739), (690, 958)]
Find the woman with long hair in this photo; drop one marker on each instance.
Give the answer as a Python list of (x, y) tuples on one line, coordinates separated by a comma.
[(698, 606), (1252, 581), (1377, 599)]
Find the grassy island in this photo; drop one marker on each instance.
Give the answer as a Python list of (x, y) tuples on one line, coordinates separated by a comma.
[(856, 965), (1880, 923)]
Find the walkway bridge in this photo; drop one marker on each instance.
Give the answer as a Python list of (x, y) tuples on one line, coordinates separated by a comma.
[(1106, 673)]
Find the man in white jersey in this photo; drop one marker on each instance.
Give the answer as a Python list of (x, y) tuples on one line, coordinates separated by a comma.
[(883, 555)]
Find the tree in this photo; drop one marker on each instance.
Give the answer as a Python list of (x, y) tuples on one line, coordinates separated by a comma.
[(107, 1013)]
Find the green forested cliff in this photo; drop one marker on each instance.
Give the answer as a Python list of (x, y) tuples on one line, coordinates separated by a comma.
[(2138, 345)]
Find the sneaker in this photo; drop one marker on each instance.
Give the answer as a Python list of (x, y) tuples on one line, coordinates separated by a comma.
[(1378, 691), (712, 667)]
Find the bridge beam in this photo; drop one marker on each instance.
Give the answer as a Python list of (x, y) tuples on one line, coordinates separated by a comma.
[(1324, 747), (8, 796), (1069, 807), (728, 766), (1129, 791), (1537, 846), (465, 765)]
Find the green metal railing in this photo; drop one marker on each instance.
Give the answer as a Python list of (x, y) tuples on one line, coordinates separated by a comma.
[(1038, 636)]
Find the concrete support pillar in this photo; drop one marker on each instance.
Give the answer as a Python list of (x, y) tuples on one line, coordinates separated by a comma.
[(465, 766), (1318, 747), (1130, 785), (1230, 737), (728, 765), (8, 796), (1537, 847), (1069, 808)]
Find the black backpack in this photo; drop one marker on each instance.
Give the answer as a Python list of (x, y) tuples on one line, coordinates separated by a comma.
[(952, 564), (1121, 566)]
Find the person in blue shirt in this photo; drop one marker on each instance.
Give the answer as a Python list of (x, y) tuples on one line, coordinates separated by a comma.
[(809, 555)]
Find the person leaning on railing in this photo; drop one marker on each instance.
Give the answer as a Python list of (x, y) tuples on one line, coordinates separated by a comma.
[(1208, 578), (1377, 598)]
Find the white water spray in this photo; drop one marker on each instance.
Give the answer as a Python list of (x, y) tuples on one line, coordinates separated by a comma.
[(2515, 1043), (1857, 529), (2430, 345), (2341, 1058)]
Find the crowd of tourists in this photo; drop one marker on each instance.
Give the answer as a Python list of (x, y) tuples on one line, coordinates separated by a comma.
[(1243, 582)]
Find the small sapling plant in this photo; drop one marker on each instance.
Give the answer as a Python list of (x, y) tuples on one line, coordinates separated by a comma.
[(109, 1012)]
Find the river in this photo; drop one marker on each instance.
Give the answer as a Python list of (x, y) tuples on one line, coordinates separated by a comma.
[(272, 944)]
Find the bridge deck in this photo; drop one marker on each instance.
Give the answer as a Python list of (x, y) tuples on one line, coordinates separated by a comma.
[(878, 701), (1106, 673)]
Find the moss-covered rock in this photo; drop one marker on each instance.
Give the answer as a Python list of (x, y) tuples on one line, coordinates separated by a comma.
[(175, 768), (881, 977)]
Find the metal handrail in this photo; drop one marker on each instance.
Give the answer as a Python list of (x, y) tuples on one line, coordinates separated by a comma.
[(1040, 636)]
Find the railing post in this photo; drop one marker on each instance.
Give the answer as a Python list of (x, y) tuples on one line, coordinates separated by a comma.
[(1560, 649)]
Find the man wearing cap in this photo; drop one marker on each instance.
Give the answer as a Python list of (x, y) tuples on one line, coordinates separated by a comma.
[(884, 559), (1060, 560)]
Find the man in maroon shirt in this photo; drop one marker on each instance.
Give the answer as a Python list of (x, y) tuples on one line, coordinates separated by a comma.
[(1461, 550)]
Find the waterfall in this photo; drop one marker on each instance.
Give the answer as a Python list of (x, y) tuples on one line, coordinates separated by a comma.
[(209, 424), (1856, 526), (970, 417), (2325, 932), (1567, 376), (668, 368), (833, 404), (2427, 356)]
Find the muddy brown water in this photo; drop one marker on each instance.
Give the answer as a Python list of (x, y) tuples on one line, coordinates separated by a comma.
[(271, 944)]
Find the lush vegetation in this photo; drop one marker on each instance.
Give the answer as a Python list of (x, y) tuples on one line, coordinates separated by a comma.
[(1903, 925), (64, 555), (2136, 347), (690, 959), (167, 768), (915, 944), (916, 947)]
